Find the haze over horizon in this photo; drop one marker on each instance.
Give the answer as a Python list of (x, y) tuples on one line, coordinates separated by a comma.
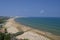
[(30, 8)]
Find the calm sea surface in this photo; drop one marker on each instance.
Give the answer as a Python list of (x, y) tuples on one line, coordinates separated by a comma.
[(50, 24)]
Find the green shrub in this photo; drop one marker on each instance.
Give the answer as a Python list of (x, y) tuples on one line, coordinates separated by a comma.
[(4, 36), (25, 39), (7, 37)]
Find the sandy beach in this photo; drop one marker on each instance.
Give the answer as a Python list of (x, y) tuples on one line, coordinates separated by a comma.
[(14, 27)]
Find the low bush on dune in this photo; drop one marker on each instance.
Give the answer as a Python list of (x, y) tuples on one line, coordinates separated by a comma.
[(18, 33), (24, 39), (4, 36)]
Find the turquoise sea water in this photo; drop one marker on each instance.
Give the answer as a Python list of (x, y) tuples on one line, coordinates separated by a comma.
[(49, 24)]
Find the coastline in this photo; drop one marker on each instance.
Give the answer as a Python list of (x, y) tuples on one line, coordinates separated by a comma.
[(24, 28)]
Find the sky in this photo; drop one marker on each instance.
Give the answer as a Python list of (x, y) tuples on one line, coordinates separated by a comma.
[(30, 8)]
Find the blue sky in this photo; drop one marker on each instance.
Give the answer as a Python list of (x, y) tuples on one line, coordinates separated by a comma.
[(30, 8)]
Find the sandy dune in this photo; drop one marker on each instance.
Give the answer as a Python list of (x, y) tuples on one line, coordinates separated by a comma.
[(31, 36), (10, 28)]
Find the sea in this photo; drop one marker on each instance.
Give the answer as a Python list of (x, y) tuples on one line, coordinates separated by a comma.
[(48, 24)]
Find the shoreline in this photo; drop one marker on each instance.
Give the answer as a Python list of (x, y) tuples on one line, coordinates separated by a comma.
[(25, 28)]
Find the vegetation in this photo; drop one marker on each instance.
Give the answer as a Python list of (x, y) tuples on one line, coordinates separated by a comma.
[(18, 33), (25, 39), (2, 36), (3, 19), (5, 36)]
